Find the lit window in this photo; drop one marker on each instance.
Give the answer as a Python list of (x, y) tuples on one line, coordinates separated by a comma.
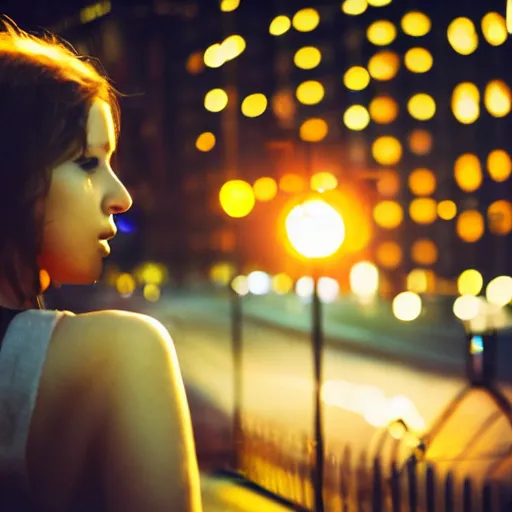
[(313, 130), (232, 47), (416, 24), (215, 100), (322, 181), (306, 20), (388, 214), (424, 252), (497, 98), (292, 183), (462, 36), (466, 103), (195, 63), (205, 142), (354, 7), (383, 109), (446, 209), (356, 78), (213, 56), (384, 65), (379, 3), (381, 33), (254, 105), (265, 189), (389, 255), (418, 60), (423, 210), (420, 142), (356, 118), (421, 106), (499, 214), (494, 28), (387, 150), (499, 165), (468, 172), (422, 182), (310, 92), (280, 25), (307, 57), (229, 5), (470, 226)]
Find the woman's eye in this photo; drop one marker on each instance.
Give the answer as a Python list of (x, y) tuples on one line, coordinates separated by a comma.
[(88, 163)]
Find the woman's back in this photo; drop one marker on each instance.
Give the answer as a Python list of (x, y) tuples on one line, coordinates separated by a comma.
[(110, 428)]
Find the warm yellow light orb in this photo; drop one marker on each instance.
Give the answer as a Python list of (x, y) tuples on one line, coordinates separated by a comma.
[(237, 198), (470, 282), (315, 229)]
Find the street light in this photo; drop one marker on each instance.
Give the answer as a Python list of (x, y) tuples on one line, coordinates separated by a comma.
[(316, 231)]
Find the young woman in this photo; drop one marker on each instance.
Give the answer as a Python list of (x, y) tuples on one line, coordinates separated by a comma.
[(93, 413)]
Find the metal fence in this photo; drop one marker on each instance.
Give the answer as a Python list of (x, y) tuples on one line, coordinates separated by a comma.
[(358, 482)]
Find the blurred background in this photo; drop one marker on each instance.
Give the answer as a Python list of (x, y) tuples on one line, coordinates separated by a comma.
[(393, 113)]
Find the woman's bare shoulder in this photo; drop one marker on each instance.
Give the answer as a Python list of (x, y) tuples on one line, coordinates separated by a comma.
[(93, 340), (88, 354)]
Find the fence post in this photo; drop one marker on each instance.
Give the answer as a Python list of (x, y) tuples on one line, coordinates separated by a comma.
[(487, 501), (412, 484), (467, 505), (448, 493), (395, 488), (430, 489), (377, 486)]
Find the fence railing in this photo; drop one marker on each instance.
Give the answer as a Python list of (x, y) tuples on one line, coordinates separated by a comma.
[(281, 463)]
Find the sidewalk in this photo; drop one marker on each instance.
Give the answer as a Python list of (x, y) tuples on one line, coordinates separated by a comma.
[(223, 494)]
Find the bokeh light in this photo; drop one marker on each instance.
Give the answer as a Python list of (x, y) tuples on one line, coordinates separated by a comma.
[(387, 150), (499, 291), (237, 198), (466, 103), (215, 100), (462, 36), (468, 172), (381, 33), (356, 117), (306, 20), (383, 109), (310, 92), (446, 209), (307, 57), (418, 60), (470, 282), (254, 105), (280, 25), (356, 78), (315, 229), (265, 189), (388, 214), (313, 130), (416, 24), (407, 306), (470, 226), (384, 65), (205, 142), (499, 165)]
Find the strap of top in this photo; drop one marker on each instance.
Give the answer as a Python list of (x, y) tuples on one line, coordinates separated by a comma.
[(22, 358)]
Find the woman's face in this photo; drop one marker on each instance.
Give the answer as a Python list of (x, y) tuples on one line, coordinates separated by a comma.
[(84, 194)]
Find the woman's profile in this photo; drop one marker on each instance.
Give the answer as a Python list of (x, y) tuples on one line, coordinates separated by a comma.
[(93, 412)]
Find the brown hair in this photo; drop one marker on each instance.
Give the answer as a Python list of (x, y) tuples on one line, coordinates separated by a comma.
[(46, 90)]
